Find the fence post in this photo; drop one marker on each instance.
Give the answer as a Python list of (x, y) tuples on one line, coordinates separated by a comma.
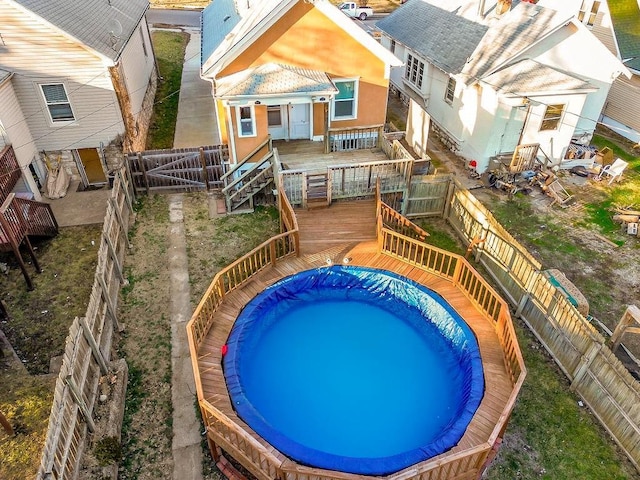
[(120, 220), (272, 252), (110, 306), (144, 172), (77, 397), (585, 363), (448, 199), (114, 256), (125, 187), (205, 174), (97, 354)]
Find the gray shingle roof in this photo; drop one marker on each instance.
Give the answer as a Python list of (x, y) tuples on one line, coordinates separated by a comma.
[(517, 30), (439, 36), (218, 35), (218, 19), (103, 25), (274, 79), (528, 77)]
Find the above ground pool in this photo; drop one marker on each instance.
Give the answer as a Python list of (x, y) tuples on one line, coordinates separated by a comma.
[(354, 369)]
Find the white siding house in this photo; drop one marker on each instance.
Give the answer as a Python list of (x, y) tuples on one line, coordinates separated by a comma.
[(84, 79), (488, 82)]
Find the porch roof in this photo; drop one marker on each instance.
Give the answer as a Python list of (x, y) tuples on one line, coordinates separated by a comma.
[(275, 79), (528, 77)]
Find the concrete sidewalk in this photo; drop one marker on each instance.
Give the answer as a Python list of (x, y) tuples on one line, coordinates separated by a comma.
[(187, 452), (196, 124)]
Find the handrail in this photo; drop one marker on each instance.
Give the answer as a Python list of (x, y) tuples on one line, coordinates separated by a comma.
[(244, 176), (249, 156), (400, 223)]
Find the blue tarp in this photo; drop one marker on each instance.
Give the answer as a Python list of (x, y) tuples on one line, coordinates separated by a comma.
[(391, 292)]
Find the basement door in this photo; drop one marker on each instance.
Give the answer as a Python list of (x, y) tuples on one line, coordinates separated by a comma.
[(92, 164), (300, 121)]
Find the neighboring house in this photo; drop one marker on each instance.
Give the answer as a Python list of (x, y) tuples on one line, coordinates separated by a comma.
[(617, 25), (291, 69), (489, 78), (77, 83)]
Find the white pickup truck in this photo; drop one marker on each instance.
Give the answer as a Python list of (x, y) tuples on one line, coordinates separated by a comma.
[(351, 9)]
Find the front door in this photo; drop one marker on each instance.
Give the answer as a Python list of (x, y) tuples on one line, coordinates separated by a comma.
[(300, 121), (92, 164)]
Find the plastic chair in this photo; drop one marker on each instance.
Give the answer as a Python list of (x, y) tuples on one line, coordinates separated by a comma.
[(614, 170)]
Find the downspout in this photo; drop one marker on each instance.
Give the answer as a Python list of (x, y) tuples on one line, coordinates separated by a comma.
[(230, 132)]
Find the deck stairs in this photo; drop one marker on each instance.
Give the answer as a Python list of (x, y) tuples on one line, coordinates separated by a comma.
[(21, 218), (246, 180)]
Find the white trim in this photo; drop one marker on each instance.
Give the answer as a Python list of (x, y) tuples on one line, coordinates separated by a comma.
[(252, 109), (356, 82), (230, 133), (211, 69)]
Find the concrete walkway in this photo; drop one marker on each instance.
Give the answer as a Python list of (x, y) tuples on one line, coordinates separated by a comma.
[(187, 452), (196, 124)]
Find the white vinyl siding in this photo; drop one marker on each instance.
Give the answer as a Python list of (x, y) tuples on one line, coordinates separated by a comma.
[(345, 103), (38, 54), (137, 67), (623, 102)]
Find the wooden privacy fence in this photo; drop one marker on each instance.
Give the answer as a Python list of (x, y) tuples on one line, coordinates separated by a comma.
[(88, 344), (184, 169), (582, 353)]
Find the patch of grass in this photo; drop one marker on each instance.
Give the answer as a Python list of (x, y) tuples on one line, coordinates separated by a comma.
[(169, 48), (26, 402), (550, 436), (441, 237), (40, 319), (393, 117)]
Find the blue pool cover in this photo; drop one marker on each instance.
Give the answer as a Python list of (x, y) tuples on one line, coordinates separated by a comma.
[(421, 311)]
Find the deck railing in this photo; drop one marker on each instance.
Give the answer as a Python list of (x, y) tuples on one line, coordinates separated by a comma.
[(238, 273), (355, 138), (9, 171), (399, 223)]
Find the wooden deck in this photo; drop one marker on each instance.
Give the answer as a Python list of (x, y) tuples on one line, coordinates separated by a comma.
[(324, 236), (346, 222), (302, 154)]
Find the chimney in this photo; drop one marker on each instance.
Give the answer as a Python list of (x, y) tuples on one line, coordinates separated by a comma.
[(503, 6)]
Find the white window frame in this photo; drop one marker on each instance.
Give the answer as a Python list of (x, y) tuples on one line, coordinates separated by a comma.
[(240, 121), (553, 120), (354, 111), (589, 12), (450, 91), (48, 104), (414, 71)]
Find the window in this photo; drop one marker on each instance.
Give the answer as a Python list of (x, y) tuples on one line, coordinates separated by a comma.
[(588, 12), (144, 45), (345, 102), (274, 116), (414, 71), (451, 90), (246, 121), (55, 96), (552, 117), (393, 46)]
